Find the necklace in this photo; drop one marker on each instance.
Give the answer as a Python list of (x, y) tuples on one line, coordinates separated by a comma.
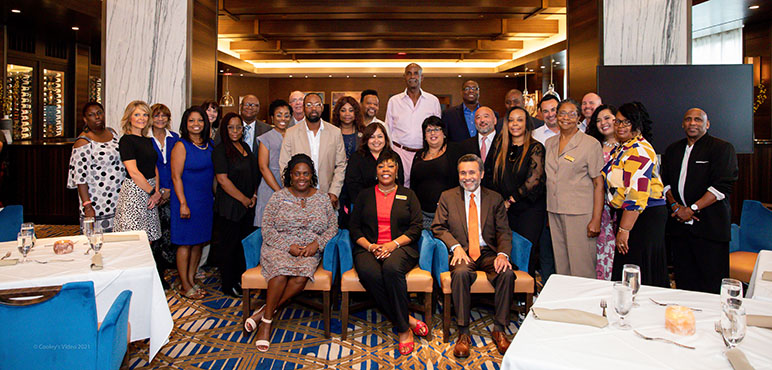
[(203, 147), (386, 192), (610, 145)]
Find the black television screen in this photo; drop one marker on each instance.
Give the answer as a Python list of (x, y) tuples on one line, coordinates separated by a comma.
[(724, 92)]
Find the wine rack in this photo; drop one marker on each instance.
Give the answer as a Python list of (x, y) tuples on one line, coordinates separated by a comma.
[(53, 103), (19, 84), (95, 89)]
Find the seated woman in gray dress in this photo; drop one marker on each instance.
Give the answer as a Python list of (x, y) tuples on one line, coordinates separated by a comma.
[(297, 224)]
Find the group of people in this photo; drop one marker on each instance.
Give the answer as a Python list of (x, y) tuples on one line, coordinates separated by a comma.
[(583, 184)]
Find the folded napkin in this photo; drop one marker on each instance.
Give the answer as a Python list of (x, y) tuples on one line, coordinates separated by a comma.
[(9, 262), (761, 321), (120, 238), (766, 276), (96, 262), (738, 360), (570, 316)]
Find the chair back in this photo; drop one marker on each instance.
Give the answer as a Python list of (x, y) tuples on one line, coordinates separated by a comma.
[(57, 331), (11, 218), (755, 227), (113, 333), (521, 251), (252, 244)]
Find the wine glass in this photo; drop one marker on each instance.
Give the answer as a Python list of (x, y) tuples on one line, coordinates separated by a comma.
[(631, 275), (28, 229), (731, 291), (96, 238), (733, 324), (88, 226), (623, 303), (24, 243)]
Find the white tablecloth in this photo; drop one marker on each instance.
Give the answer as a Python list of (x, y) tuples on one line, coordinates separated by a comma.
[(552, 345), (128, 265), (760, 289)]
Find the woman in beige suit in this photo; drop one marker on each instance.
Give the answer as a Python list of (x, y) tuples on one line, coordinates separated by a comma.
[(574, 193)]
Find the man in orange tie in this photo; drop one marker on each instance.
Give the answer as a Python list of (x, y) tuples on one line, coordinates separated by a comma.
[(472, 222)]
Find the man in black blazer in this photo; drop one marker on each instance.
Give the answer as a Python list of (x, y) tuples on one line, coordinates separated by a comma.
[(481, 143), (253, 127), (481, 243), (514, 98), (699, 173), (460, 119)]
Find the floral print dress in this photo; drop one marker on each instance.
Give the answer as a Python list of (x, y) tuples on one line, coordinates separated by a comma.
[(606, 238)]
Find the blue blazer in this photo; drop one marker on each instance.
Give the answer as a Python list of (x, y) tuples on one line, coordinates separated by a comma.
[(165, 169)]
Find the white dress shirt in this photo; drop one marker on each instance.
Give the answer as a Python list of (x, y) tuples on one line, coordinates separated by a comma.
[(543, 133), (583, 125), (249, 134), (162, 144), (477, 202), (404, 119), (313, 142), (682, 180)]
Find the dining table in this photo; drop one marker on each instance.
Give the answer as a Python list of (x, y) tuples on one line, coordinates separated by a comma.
[(758, 288), (127, 264), (541, 344)]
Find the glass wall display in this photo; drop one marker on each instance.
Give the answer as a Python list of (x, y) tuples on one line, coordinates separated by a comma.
[(19, 84), (95, 89), (53, 103)]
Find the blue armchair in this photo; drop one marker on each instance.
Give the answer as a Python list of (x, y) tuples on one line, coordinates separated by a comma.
[(11, 218), (253, 280), (56, 328), (753, 235), (524, 282), (419, 279)]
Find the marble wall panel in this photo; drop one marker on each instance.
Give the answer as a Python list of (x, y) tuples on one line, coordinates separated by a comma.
[(640, 32), (146, 56)]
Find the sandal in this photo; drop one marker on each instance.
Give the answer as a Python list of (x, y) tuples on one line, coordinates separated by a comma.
[(250, 324), (263, 345), (421, 329), (406, 348), (194, 294)]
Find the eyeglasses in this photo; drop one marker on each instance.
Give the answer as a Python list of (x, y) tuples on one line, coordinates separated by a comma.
[(313, 105), (567, 114), (250, 105), (236, 128), (471, 88), (625, 123), (432, 130)]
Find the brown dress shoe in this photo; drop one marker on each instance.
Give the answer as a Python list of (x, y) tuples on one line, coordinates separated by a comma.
[(461, 349), (502, 343)]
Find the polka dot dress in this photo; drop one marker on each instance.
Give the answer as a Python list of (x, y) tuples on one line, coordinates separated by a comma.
[(99, 166)]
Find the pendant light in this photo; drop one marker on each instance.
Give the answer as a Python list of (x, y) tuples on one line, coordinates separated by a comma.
[(226, 100), (551, 87), (528, 101)]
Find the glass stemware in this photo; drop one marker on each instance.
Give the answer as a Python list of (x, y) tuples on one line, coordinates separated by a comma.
[(631, 275), (733, 324), (96, 238), (623, 303), (28, 229), (731, 292), (24, 244)]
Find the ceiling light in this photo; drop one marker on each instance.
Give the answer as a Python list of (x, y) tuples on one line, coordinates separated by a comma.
[(506, 75), (290, 76), (375, 76), (329, 76), (17, 11), (241, 74), (557, 62), (754, 7), (542, 67), (306, 76), (221, 71), (402, 53), (459, 75), (75, 28), (346, 76)]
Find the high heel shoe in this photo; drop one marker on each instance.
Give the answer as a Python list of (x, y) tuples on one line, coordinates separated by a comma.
[(250, 325), (421, 329), (406, 348), (263, 345)]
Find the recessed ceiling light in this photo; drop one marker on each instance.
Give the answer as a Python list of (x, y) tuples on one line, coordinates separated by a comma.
[(221, 71), (402, 53), (557, 62), (306, 76), (375, 76), (241, 74), (17, 11), (506, 75), (346, 76), (459, 75), (290, 76), (517, 74), (75, 28), (542, 67), (329, 76), (754, 7)]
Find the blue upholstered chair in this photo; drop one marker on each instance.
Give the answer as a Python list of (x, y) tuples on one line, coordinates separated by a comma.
[(419, 279), (57, 328), (753, 235), (524, 283), (252, 280), (10, 222)]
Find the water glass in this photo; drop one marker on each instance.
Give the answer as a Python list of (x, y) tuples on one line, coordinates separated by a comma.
[(733, 324), (24, 244), (731, 291), (28, 229), (96, 238), (623, 303), (88, 226), (631, 275)]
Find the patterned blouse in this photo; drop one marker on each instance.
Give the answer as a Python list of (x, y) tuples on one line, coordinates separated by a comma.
[(99, 166), (632, 176)]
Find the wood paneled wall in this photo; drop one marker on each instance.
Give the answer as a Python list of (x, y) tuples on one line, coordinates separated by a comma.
[(203, 58), (584, 46), (82, 60)]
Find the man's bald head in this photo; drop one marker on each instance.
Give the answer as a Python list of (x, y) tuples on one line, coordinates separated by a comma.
[(590, 101), (296, 102), (250, 105), (514, 98), (695, 123), (484, 120)]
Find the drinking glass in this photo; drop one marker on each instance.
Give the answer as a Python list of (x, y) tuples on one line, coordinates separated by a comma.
[(24, 243), (88, 226), (96, 238), (623, 303), (733, 324), (28, 229), (631, 275), (731, 291)]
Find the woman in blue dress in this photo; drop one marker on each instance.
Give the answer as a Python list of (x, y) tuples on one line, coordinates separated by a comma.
[(192, 200)]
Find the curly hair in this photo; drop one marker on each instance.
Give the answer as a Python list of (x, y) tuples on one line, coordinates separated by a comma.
[(359, 121), (639, 117), (294, 161)]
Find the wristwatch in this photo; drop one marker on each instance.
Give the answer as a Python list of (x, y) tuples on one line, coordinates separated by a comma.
[(694, 208)]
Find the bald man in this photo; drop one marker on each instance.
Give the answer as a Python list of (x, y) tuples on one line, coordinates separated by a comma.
[(590, 101), (460, 120), (699, 173), (514, 98), (480, 144), (253, 127), (296, 103)]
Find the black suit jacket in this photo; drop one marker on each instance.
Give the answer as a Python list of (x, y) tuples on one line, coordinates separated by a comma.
[(454, 120), (712, 162), (406, 218), (472, 146), (360, 173)]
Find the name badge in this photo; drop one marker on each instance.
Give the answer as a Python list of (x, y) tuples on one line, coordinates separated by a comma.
[(400, 197), (569, 158)]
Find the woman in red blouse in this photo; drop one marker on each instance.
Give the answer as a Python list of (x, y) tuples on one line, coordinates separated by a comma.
[(385, 225)]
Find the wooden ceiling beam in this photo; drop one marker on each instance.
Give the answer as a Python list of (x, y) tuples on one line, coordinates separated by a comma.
[(376, 56), (375, 46)]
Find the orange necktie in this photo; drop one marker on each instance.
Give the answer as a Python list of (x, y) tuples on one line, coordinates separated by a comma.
[(474, 230)]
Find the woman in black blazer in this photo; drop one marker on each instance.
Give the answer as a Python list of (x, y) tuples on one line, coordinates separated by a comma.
[(385, 226), (360, 171)]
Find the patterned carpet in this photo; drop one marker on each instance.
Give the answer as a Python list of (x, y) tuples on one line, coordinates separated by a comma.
[(207, 334)]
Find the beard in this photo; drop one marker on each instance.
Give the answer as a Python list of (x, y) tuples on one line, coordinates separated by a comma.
[(313, 118)]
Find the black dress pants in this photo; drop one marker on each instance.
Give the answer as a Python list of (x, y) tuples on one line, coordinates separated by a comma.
[(230, 256), (463, 275), (528, 221), (385, 281), (699, 263)]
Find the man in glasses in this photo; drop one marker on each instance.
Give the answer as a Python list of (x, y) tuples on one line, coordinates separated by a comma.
[(253, 127), (322, 142), (460, 119), (296, 102)]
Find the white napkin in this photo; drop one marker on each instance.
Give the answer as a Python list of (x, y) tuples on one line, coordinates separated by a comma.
[(108, 238), (96, 262), (9, 262), (766, 276), (738, 360), (570, 316)]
